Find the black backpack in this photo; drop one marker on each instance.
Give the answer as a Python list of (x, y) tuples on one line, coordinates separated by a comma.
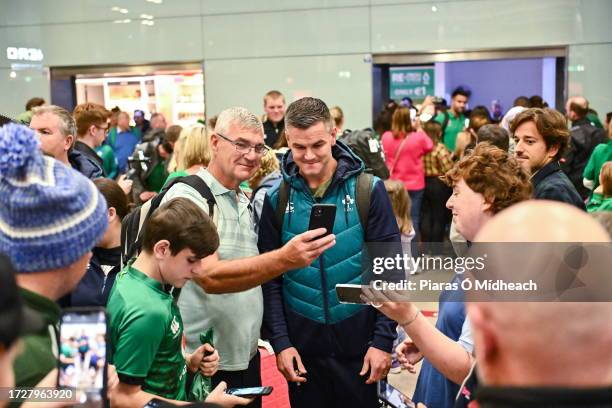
[(368, 149), (362, 198), (131, 226)]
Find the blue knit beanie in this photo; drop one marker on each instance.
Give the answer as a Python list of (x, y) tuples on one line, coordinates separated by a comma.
[(50, 215)]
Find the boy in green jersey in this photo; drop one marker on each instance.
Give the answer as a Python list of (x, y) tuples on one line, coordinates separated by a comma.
[(146, 329)]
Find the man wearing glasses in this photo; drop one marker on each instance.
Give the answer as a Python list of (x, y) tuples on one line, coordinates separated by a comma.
[(55, 129), (92, 127), (227, 297)]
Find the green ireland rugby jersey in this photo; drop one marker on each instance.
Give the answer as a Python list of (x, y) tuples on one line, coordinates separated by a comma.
[(146, 335)]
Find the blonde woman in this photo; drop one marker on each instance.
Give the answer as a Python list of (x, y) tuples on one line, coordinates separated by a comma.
[(267, 175), (192, 151)]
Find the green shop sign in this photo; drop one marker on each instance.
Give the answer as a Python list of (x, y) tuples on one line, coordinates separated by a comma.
[(413, 82)]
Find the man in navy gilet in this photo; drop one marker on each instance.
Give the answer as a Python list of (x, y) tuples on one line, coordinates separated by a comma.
[(331, 354)]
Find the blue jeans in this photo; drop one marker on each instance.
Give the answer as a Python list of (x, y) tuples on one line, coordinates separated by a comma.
[(416, 196)]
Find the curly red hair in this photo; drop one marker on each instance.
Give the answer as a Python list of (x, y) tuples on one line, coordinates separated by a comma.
[(490, 171)]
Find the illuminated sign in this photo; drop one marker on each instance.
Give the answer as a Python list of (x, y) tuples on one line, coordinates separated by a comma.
[(24, 54)]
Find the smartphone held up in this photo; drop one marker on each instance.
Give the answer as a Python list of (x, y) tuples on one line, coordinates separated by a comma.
[(82, 354), (322, 216)]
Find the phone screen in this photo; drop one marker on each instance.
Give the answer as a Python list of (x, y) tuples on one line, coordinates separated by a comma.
[(393, 397), (249, 391), (82, 354)]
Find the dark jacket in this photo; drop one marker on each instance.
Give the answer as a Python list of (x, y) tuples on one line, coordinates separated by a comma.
[(85, 165), (550, 183), (343, 333), (584, 138), (89, 152), (95, 286), (272, 131)]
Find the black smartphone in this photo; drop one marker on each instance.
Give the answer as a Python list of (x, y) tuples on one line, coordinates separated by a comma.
[(393, 397), (82, 353), (159, 403), (250, 392), (322, 216), (296, 369), (349, 293)]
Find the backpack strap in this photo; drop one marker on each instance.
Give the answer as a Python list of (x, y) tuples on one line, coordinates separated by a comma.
[(363, 195), (283, 198), (128, 227), (145, 211), (201, 187), (445, 121)]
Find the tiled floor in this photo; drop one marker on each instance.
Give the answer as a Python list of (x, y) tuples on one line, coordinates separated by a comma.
[(406, 381)]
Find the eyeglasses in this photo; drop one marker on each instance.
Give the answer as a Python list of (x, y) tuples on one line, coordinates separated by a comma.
[(105, 129), (245, 148)]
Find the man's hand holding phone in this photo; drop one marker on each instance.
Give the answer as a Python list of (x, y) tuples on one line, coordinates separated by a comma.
[(304, 248), (289, 363), (219, 397)]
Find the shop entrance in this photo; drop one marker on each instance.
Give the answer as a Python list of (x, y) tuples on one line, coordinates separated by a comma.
[(493, 76), (176, 90)]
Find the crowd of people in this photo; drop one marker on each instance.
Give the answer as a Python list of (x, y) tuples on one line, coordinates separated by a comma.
[(222, 212)]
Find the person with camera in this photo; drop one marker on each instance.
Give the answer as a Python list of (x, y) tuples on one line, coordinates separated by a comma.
[(149, 162)]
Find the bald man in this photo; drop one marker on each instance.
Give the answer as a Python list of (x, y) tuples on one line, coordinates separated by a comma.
[(584, 137), (549, 354)]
